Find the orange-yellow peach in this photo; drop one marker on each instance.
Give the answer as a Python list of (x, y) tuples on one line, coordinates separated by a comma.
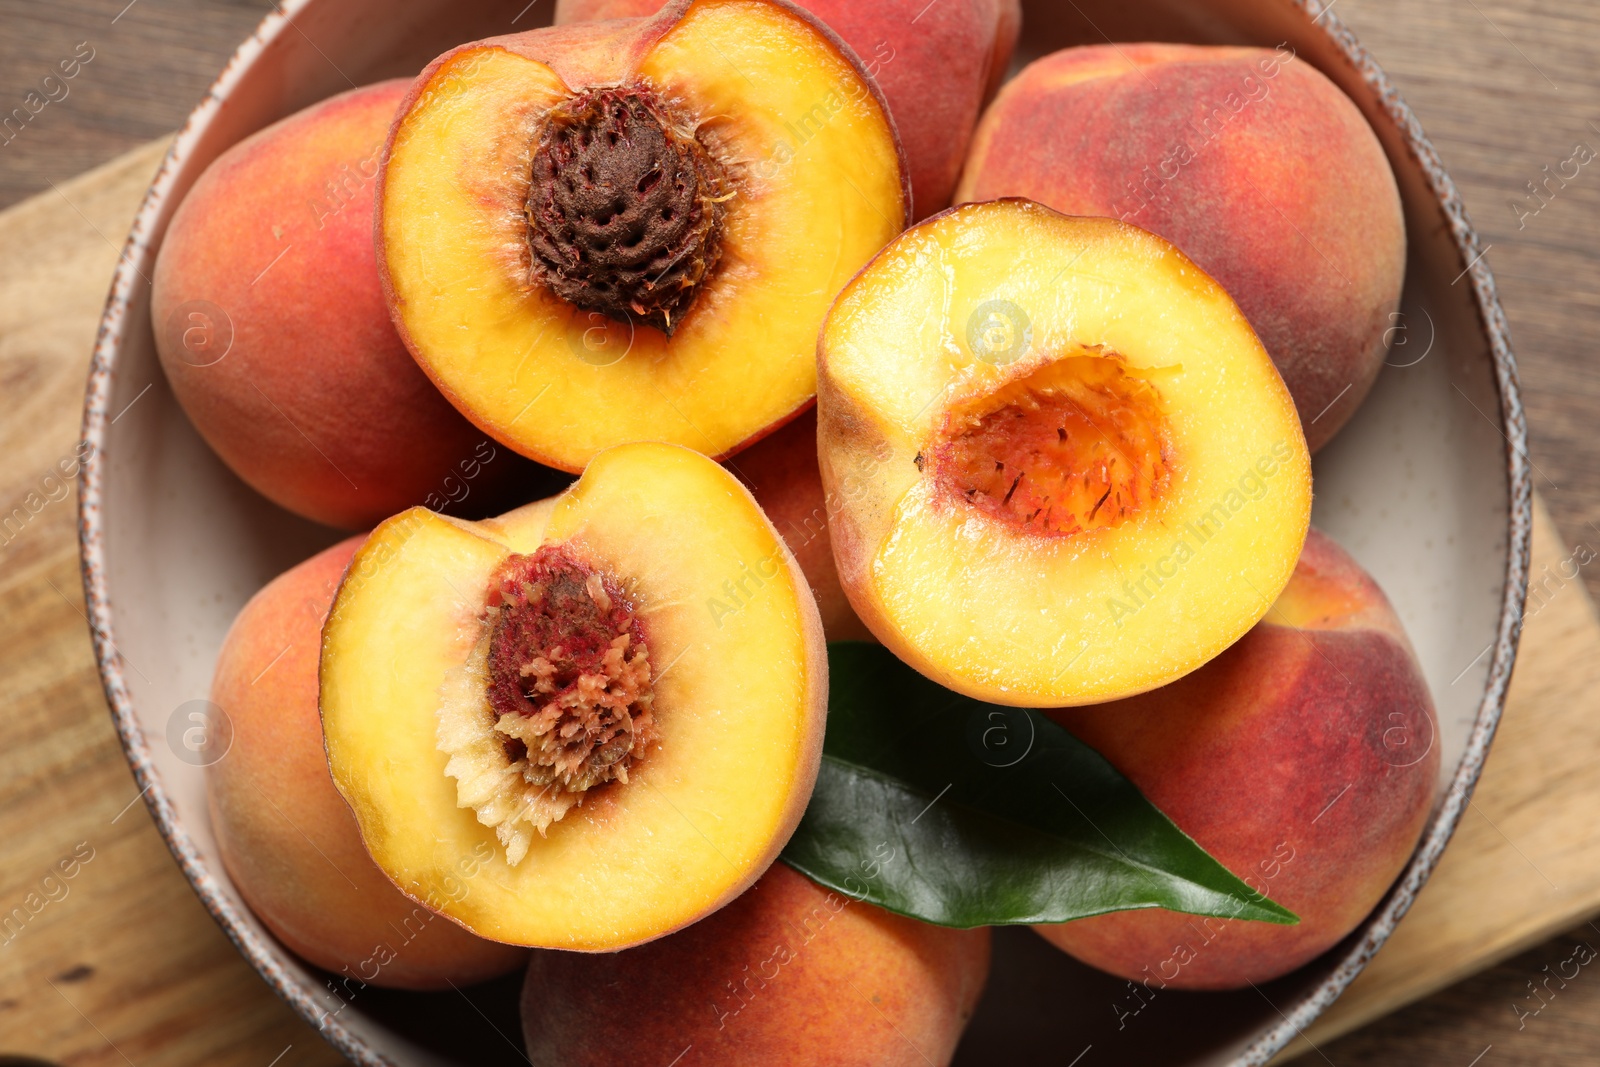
[(585, 724), (1248, 159), (787, 974), (286, 837), (1303, 758), (938, 64), (630, 230), (781, 472), (273, 332), (1059, 467)]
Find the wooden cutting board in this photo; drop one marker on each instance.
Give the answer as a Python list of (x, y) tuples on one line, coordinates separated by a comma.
[(119, 965)]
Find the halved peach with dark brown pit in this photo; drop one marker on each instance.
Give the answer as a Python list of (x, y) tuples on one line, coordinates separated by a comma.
[(631, 230), (588, 723), (1083, 476)]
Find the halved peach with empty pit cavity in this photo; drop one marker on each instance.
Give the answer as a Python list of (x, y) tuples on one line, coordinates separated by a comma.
[(1084, 477), (588, 723), (631, 230)]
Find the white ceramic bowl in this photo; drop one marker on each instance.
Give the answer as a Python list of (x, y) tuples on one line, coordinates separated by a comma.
[(1428, 487)]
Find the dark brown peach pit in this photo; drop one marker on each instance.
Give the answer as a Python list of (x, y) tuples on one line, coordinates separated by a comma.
[(568, 673), (1077, 445), (626, 206)]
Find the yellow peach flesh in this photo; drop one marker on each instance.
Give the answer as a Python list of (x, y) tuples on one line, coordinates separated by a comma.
[(739, 697), (1015, 617)]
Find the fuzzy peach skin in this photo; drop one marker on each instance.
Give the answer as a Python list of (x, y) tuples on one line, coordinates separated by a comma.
[(781, 472), (1250, 161), (789, 974), (273, 331), (1303, 758), (285, 835), (937, 64)]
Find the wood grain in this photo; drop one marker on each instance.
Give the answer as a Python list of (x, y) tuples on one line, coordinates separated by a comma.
[(117, 964), (152, 60), (124, 967)]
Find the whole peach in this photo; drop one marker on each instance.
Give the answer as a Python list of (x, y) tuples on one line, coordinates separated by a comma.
[(781, 472), (1252, 162), (286, 836), (1303, 758), (273, 331), (788, 973), (937, 64)]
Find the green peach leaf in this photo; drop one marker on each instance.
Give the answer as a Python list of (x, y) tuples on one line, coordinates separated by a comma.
[(961, 813)]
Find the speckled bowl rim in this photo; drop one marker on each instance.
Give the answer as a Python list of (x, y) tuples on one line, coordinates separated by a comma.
[(137, 260)]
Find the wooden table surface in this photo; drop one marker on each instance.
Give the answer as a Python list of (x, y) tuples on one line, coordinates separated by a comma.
[(1506, 89)]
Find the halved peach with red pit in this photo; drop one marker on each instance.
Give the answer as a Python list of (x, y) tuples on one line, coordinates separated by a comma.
[(1084, 477), (631, 230), (555, 728)]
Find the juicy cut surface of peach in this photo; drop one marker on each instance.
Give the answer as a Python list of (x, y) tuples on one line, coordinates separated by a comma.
[(554, 728), (1085, 477)]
